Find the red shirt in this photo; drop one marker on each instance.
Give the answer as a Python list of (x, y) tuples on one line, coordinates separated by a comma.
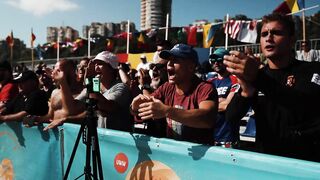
[(8, 92), (201, 91)]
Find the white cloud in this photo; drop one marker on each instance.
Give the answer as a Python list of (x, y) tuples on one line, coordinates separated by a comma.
[(43, 7)]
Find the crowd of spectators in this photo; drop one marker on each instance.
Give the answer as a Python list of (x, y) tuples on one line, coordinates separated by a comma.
[(169, 97)]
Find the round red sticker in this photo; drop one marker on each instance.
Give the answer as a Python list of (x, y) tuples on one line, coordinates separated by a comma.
[(121, 162)]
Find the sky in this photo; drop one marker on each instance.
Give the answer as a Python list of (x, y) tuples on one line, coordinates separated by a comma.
[(22, 15)]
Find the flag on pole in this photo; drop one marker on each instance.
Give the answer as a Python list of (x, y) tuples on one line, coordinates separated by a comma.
[(192, 35), (206, 41), (248, 32), (233, 27), (141, 39), (33, 38), (10, 40), (208, 34), (180, 34), (295, 5), (290, 6), (301, 4), (109, 43)]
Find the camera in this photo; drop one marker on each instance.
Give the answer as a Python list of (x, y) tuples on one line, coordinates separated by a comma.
[(93, 85)]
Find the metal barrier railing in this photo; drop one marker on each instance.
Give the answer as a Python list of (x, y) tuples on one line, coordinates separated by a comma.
[(314, 44), (255, 48)]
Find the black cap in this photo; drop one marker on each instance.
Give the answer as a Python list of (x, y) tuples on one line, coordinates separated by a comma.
[(26, 75), (5, 65)]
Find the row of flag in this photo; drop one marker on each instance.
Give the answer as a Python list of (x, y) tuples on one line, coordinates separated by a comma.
[(10, 39), (208, 36), (243, 31)]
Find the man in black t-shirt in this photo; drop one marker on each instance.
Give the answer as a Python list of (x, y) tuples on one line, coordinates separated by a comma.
[(284, 94), (31, 101)]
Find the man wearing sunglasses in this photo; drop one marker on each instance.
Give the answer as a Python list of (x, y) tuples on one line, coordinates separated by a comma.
[(283, 94), (226, 133), (306, 53)]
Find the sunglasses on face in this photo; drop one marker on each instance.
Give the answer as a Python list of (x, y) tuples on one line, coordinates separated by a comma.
[(212, 61), (160, 66), (273, 33)]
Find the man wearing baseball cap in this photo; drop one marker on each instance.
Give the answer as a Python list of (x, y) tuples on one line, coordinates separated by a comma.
[(226, 134), (30, 101), (114, 98), (188, 104), (144, 64)]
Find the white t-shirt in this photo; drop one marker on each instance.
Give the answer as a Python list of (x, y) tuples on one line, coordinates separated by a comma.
[(145, 66), (312, 55), (120, 119)]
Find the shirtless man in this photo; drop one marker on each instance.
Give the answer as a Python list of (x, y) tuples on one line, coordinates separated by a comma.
[(112, 102), (64, 75)]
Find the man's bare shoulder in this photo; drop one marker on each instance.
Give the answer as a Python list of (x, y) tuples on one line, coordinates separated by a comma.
[(56, 99), (55, 92)]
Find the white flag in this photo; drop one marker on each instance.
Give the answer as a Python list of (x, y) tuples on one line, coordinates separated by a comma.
[(248, 32)]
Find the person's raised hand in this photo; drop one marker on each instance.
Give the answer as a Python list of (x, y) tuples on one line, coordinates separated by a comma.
[(243, 66), (90, 72)]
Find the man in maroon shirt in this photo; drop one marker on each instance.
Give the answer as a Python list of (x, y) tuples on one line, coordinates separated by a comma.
[(188, 104)]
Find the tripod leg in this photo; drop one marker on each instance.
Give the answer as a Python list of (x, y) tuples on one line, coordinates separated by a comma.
[(97, 154), (94, 157), (87, 168), (94, 142), (73, 152)]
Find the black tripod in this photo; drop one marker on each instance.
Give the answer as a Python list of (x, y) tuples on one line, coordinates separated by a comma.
[(90, 138)]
